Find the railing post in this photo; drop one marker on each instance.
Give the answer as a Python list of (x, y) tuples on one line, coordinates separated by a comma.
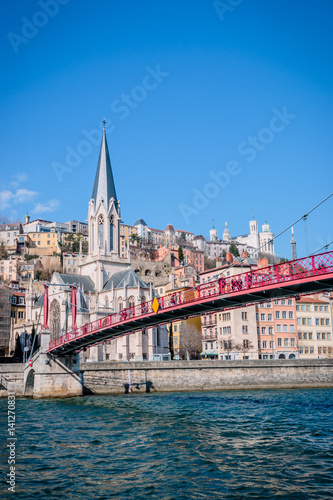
[(313, 264)]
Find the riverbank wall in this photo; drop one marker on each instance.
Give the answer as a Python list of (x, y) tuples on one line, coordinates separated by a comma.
[(169, 376)]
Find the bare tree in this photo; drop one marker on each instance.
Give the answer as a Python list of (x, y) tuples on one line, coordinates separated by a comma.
[(190, 342), (244, 347), (229, 345)]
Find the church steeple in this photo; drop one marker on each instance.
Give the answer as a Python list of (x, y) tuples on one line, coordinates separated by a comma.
[(104, 188)]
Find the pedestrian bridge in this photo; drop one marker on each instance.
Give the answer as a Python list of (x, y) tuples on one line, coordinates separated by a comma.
[(312, 274)]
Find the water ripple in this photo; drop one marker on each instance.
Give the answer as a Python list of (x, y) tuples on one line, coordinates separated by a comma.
[(205, 445)]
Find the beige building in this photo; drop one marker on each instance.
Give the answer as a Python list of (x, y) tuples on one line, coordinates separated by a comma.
[(10, 269), (9, 234), (229, 334), (314, 326)]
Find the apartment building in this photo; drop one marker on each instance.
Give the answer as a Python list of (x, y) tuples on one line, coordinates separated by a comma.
[(314, 326)]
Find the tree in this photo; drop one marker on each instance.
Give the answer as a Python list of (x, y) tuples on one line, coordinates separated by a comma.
[(234, 250), (3, 251), (181, 254), (135, 239), (229, 345), (244, 347), (190, 342), (36, 344), (209, 263), (18, 353)]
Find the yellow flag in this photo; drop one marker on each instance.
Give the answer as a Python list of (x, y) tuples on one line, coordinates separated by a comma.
[(155, 305)]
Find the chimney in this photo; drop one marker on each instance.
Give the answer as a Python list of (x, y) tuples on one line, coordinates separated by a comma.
[(229, 258)]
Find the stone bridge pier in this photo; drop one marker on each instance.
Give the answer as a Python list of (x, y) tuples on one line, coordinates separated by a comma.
[(52, 376)]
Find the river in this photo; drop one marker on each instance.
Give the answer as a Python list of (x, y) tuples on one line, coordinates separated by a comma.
[(196, 445)]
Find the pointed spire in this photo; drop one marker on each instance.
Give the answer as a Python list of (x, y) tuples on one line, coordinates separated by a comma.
[(213, 224), (104, 187)]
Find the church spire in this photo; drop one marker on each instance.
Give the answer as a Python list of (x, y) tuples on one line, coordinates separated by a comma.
[(104, 187)]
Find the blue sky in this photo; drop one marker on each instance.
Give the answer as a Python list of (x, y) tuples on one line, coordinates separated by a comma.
[(191, 94)]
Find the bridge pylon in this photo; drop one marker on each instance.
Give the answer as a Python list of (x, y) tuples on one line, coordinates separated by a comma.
[(52, 376)]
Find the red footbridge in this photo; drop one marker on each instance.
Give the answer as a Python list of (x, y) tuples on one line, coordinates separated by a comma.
[(312, 274)]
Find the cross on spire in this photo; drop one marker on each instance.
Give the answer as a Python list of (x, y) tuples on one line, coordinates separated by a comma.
[(104, 123)]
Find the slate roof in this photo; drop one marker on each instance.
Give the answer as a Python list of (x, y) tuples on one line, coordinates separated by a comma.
[(125, 278), (104, 187), (85, 282)]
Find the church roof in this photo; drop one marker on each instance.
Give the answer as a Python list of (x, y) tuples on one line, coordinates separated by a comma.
[(169, 227), (124, 278), (104, 187), (85, 282)]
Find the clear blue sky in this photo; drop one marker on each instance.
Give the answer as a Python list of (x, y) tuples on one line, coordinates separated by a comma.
[(203, 85)]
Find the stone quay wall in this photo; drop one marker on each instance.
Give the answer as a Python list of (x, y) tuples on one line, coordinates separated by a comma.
[(11, 378), (166, 376)]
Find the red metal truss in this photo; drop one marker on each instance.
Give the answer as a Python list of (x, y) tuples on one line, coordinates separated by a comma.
[(302, 276)]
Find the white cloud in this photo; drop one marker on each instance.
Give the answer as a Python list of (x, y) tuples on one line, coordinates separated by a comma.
[(49, 206), (8, 198), (21, 177)]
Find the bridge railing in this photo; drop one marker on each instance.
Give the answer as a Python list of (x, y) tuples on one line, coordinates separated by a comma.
[(281, 273)]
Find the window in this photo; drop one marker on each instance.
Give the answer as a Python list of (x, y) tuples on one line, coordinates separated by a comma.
[(244, 316), (262, 317), (226, 317), (319, 350), (302, 307), (298, 321), (290, 302), (271, 344), (309, 321), (227, 330), (328, 335), (323, 336), (318, 335), (263, 330), (278, 328), (244, 330), (258, 344), (306, 350), (285, 328), (317, 321), (291, 315), (269, 317), (301, 350), (305, 336), (39, 243), (293, 342), (264, 344), (308, 307), (258, 330), (284, 314), (310, 335), (326, 308), (311, 350), (303, 321), (21, 314), (321, 308), (279, 341), (246, 344), (276, 302), (286, 342), (297, 307), (316, 308), (277, 314), (257, 317), (262, 304), (270, 330), (291, 328), (283, 302), (327, 321), (300, 335), (48, 242), (322, 321)]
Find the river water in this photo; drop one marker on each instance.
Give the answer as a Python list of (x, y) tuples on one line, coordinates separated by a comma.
[(195, 445)]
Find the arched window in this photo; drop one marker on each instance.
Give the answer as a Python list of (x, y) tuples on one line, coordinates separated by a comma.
[(120, 304), (55, 319), (106, 303), (131, 302), (101, 231), (111, 233), (147, 272)]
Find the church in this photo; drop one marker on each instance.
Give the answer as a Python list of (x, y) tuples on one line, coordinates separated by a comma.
[(105, 283)]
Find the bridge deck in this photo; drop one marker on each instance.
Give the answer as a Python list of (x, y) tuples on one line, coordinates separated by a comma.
[(303, 276)]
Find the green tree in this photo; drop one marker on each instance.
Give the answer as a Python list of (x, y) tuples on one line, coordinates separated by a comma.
[(3, 251), (181, 254), (135, 238), (234, 250), (18, 353)]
